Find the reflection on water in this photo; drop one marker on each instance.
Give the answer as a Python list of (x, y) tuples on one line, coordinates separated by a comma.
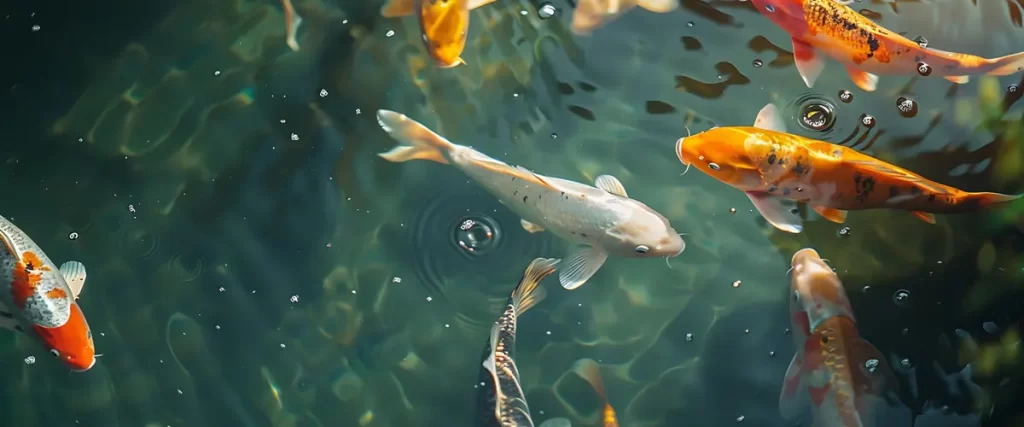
[(253, 263)]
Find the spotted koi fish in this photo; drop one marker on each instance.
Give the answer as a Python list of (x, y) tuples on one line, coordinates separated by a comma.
[(590, 371), (590, 14), (444, 24), (775, 169), (38, 299), (865, 48), (834, 371), (501, 401)]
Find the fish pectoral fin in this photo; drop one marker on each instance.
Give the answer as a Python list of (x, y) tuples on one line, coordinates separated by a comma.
[(958, 79), (769, 118), (864, 80), (473, 4), (74, 275), (581, 263), (792, 400), (835, 215), (876, 370), (396, 8), (556, 422), (924, 216), (780, 213), (610, 184), (808, 63), (530, 227), (658, 6)]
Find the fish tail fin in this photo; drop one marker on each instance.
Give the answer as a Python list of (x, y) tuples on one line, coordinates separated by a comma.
[(417, 141), (986, 200), (590, 371), (527, 294), (1006, 65)]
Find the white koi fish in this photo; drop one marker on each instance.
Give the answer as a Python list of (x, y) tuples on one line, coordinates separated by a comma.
[(596, 221)]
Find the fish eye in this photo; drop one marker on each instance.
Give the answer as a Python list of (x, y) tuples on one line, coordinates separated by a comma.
[(642, 249), (54, 352), (824, 339), (714, 166)]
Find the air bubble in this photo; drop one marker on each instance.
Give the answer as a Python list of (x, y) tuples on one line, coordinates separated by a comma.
[(1012, 88), (924, 69), (817, 115), (867, 120), (475, 235), (843, 232), (758, 63), (547, 10), (921, 41), (845, 96), (907, 107), (73, 235), (901, 298)]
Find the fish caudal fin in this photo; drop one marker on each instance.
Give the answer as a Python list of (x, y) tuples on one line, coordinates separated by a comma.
[(418, 142), (793, 401), (527, 294), (1007, 65), (396, 8), (988, 200), (583, 261), (590, 371)]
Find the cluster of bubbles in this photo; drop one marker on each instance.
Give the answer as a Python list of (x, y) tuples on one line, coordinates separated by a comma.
[(476, 235)]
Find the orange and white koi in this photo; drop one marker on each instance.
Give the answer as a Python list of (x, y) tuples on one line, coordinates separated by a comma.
[(865, 48), (292, 21), (590, 14), (444, 25), (38, 299), (834, 371), (590, 371), (775, 169)]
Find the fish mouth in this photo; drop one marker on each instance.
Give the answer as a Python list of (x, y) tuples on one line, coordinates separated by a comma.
[(679, 151), (91, 364), (802, 254)]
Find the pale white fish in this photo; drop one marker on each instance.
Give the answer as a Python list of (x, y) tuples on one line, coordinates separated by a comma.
[(597, 221), (292, 21)]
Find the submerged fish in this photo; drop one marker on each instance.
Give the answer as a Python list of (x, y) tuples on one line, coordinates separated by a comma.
[(501, 401), (776, 168), (590, 14), (38, 299), (597, 221), (865, 48), (834, 371), (292, 21), (444, 23), (590, 371)]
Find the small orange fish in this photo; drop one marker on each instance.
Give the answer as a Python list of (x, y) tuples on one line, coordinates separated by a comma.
[(444, 24), (590, 14), (867, 49), (590, 371), (775, 169), (843, 375)]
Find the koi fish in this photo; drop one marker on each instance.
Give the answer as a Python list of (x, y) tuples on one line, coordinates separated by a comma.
[(501, 401), (444, 25), (292, 21), (834, 371), (590, 371), (38, 299), (866, 49), (590, 14), (596, 221), (775, 169)]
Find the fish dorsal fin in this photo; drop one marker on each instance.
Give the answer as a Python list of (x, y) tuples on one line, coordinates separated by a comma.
[(74, 274), (877, 166), (610, 184), (769, 118)]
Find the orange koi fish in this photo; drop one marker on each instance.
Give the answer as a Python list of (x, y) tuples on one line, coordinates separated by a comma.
[(292, 21), (590, 371), (38, 299), (591, 14), (776, 168), (444, 23), (843, 375), (867, 49)]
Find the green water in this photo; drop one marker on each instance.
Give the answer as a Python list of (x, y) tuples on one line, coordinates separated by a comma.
[(253, 263)]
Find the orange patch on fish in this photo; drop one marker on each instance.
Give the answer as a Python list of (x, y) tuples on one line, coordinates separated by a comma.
[(26, 277), (56, 293)]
